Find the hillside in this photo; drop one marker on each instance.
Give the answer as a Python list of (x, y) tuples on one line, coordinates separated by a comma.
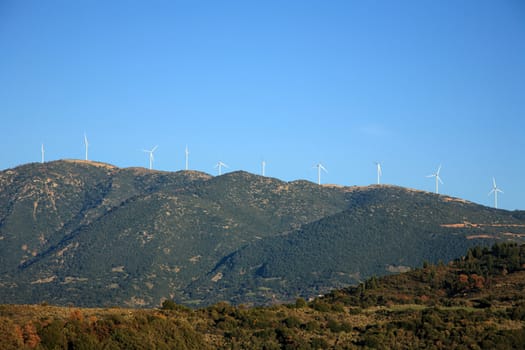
[(475, 302), (383, 230), (91, 234)]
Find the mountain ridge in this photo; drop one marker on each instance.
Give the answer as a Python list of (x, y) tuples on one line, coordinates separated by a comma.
[(130, 236)]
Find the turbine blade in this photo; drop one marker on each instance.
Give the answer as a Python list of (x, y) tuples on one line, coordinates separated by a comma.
[(440, 180), (439, 169), (154, 148)]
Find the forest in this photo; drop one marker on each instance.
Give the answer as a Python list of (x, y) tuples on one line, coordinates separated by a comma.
[(475, 302)]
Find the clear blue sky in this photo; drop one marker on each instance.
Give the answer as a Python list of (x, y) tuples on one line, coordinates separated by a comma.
[(412, 84)]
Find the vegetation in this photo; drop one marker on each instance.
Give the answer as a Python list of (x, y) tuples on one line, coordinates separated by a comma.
[(383, 230), (475, 302), (90, 234)]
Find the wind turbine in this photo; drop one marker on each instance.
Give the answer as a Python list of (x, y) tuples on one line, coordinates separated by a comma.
[(151, 156), (438, 179), (263, 168), (86, 144), (43, 153), (379, 172), (319, 167), (219, 165), (495, 190), (187, 154)]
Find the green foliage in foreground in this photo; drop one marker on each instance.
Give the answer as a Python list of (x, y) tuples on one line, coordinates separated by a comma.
[(472, 303)]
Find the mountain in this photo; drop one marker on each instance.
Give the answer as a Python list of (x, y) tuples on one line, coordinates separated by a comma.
[(75, 231), (384, 229), (475, 302), (91, 234)]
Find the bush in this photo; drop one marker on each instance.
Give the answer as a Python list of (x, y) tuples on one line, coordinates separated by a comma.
[(355, 311), (11, 335), (312, 326), (52, 336), (337, 327), (320, 306), (518, 312), (292, 322), (318, 343), (168, 305), (300, 303)]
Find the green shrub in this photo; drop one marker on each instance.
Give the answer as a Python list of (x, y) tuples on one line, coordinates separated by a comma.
[(52, 336), (318, 343), (168, 305), (320, 306), (337, 327), (300, 303), (292, 322), (518, 312), (355, 311), (312, 326)]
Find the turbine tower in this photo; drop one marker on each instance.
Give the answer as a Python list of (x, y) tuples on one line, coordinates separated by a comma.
[(495, 190), (219, 165), (438, 179), (43, 153), (263, 168), (319, 167), (187, 153), (151, 156), (86, 144), (379, 172)]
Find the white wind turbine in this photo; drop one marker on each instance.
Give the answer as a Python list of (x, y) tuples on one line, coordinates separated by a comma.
[(219, 165), (151, 156), (379, 172), (187, 153), (319, 167), (495, 190), (263, 168), (438, 179), (86, 144), (43, 153)]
